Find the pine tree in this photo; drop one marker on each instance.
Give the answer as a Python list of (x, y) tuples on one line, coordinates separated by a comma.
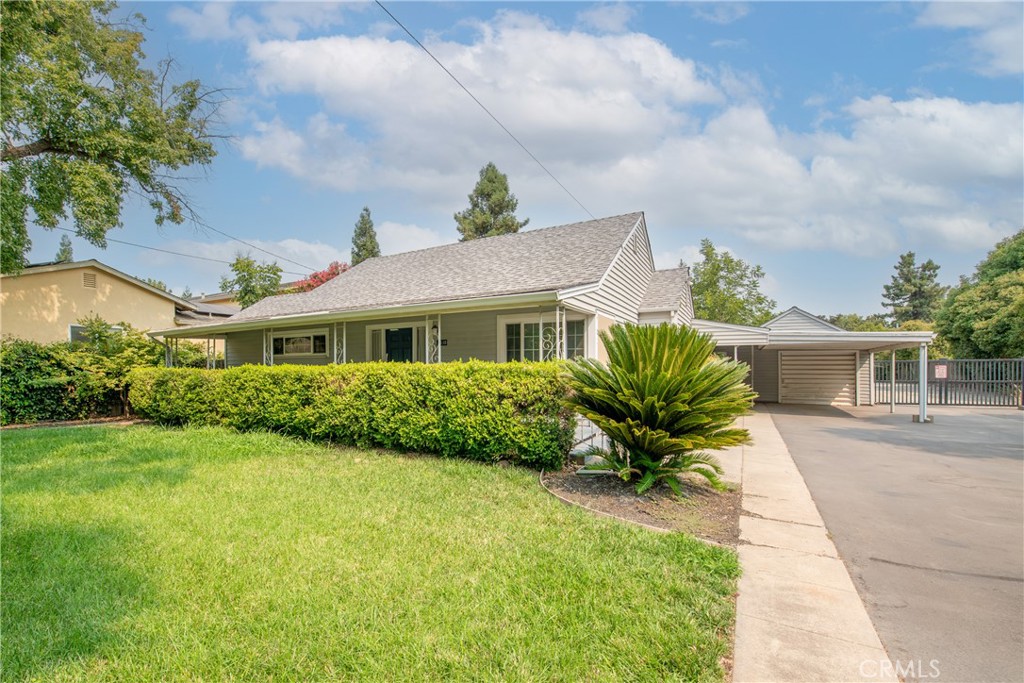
[(65, 253), (364, 239), (491, 209), (914, 293)]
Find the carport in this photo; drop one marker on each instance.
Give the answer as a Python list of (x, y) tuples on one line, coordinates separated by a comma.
[(798, 358)]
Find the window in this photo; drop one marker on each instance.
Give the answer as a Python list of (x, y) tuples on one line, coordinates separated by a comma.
[(526, 338), (301, 343), (575, 333), (76, 333)]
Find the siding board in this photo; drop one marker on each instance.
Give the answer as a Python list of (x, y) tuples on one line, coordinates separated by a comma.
[(625, 283)]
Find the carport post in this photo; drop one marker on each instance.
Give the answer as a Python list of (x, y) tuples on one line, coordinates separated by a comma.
[(922, 385), (892, 383)]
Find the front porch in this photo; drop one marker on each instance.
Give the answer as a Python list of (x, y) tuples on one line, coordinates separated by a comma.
[(496, 335)]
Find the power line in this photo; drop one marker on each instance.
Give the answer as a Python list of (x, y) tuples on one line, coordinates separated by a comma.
[(248, 244), (481, 104), (177, 253)]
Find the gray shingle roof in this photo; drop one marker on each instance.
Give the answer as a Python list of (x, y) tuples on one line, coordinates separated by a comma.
[(549, 259), (665, 290)]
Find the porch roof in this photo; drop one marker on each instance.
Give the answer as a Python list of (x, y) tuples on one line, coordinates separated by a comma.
[(235, 324)]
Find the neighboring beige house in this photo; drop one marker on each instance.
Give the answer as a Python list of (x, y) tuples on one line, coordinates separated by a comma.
[(45, 302), (231, 298)]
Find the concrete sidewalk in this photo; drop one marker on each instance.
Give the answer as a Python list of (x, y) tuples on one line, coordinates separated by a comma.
[(798, 615)]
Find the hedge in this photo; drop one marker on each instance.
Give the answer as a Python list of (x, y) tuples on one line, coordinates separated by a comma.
[(48, 382), (476, 410)]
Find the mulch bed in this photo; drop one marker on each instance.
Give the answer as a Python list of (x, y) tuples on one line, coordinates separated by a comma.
[(701, 511)]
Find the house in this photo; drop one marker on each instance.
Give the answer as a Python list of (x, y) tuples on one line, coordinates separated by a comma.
[(45, 301), (533, 295), (231, 298)]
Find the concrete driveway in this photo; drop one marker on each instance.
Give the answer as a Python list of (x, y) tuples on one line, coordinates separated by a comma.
[(930, 522)]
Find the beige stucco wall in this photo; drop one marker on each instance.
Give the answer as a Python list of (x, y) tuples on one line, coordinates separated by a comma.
[(41, 306), (603, 323)]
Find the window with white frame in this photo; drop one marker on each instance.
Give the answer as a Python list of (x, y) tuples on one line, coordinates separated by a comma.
[(528, 338), (300, 343)]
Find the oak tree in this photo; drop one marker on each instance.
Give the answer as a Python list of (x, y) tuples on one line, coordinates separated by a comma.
[(727, 289), (85, 124)]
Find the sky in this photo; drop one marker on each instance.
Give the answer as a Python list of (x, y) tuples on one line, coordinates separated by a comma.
[(819, 140)]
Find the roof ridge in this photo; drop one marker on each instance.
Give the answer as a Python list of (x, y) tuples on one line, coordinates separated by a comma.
[(449, 245)]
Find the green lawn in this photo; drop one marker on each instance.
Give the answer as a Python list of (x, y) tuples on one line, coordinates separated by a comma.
[(152, 554)]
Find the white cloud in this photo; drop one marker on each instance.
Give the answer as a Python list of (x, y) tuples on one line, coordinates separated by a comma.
[(590, 97), (613, 18), (721, 12), (996, 32), (395, 238), (688, 254), (315, 255), (613, 117), (729, 43), (228, 20)]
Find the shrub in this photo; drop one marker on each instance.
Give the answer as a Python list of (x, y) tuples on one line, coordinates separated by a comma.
[(476, 410), (74, 380), (661, 399), (44, 382)]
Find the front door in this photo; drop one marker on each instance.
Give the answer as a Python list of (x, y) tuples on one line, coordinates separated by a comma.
[(398, 344)]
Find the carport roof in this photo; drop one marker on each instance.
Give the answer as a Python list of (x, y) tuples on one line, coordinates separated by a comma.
[(726, 334)]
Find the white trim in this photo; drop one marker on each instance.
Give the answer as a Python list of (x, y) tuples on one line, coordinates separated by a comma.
[(383, 327), (312, 332), (541, 317), (856, 378)]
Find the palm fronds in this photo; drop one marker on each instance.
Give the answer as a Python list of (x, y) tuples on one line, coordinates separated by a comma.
[(662, 398)]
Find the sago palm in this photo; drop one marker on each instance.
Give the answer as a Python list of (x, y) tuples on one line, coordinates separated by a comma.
[(663, 398)]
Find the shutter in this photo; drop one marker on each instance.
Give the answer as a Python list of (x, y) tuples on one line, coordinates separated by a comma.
[(89, 280), (818, 377)]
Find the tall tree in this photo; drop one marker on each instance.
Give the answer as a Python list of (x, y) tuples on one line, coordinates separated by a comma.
[(728, 289), (65, 252), (492, 207), (157, 284), (983, 317), (84, 124), (364, 239), (913, 293), (854, 322), (252, 281)]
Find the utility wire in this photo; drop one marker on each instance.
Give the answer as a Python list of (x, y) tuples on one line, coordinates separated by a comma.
[(176, 253), (248, 244), (481, 104)]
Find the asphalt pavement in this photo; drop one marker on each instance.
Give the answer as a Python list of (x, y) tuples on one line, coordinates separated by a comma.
[(929, 520)]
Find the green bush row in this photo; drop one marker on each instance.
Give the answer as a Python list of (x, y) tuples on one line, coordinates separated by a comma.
[(47, 382), (70, 381), (476, 410)]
